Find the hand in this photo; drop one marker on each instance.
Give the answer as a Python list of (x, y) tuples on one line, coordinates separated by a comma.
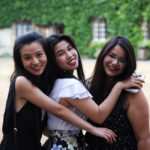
[(133, 81), (105, 133), (65, 102)]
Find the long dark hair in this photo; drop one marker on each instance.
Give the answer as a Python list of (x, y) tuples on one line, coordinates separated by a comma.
[(99, 87), (51, 42), (45, 81)]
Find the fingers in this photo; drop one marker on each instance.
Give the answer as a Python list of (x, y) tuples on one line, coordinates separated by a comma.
[(134, 82), (110, 136), (138, 82), (105, 133), (139, 77), (136, 75)]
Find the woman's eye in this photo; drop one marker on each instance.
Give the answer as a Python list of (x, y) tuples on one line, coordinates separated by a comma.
[(39, 54), (123, 61), (60, 54), (70, 48), (112, 56), (26, 58)]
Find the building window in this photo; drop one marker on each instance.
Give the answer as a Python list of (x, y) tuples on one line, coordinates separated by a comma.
[(145, 31), (99, 33), (23, 28), (58, 28)]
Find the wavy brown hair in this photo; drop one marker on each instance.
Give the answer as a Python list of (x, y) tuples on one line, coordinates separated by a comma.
[(100, 87)]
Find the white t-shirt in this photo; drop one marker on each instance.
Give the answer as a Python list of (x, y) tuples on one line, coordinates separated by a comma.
[(66, 88)]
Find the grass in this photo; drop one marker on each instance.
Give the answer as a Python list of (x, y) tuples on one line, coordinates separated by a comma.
[(6, 68)]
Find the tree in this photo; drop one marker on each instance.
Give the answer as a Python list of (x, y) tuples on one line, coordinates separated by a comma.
[(123, 16)]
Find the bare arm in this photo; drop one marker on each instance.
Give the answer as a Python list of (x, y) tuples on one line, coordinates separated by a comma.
[(99, 113), (138, 114), (25, 91)]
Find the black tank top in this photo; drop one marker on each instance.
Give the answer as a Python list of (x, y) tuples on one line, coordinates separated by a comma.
[(28, 123), (118, 122)]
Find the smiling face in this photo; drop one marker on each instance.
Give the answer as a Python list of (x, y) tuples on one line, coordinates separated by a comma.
[(66, 56), (115, 61), (33, 58)]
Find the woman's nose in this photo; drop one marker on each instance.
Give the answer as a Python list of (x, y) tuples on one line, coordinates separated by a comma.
[(68, 54), (115, 61), (35, 60)]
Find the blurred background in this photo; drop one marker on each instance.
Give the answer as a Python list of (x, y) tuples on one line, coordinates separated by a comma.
[(91, 23)]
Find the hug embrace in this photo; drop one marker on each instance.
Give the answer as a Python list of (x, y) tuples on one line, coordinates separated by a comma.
[(45, 92)]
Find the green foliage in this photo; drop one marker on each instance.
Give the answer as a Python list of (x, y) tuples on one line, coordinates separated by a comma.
[(5, 55), (123, 17), (94, 49)]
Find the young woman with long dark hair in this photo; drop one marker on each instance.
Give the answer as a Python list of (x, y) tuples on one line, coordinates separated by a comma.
[(130, 117)]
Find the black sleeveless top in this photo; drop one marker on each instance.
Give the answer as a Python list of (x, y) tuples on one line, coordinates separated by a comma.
[(29, 125), (118, 122)]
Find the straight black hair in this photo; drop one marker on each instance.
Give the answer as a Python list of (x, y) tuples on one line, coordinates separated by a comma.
[(45, 81), (51, 42), (100, 87)]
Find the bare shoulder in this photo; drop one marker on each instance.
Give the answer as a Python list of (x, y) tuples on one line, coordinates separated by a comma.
[(25, 90), (138, 99), (138, 114), (22, 81), (23, 85)]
